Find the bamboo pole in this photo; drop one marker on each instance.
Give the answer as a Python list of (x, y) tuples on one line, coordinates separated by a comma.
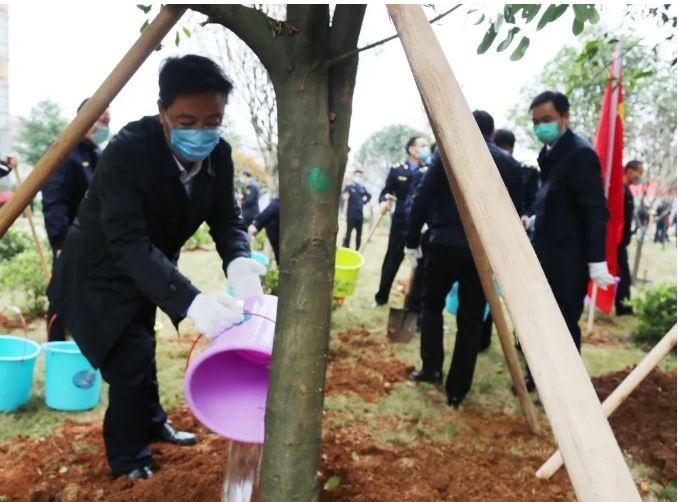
[(593, 457), (95, 106), (619, 395), (36, 240)]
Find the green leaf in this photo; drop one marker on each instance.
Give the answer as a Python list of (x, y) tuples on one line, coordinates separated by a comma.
[(143, 26), (519, 51), (145, 8), (509, 38), (177, 39), (594, 16), (530, 11), (577, 26), (63, 469), (482, 18), (354, 456), (187, 32), (643, 74), (489, 37), (553, 12), (498, 22), (509, 12), (332, 483)]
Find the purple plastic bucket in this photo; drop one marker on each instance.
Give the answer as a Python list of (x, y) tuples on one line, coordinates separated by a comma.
[(227, 383)]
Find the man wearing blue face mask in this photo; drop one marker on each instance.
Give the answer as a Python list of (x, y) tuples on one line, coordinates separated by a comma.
[(158, 180), (399, 183), (62, 194), (570, 210)]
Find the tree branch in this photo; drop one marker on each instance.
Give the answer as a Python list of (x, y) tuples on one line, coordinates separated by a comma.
[(259, 31), (383, 41)]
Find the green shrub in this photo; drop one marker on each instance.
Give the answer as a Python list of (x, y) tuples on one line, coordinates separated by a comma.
[(259, 241), (24, 281), (655, 310), (13, 243), (200, 239), (270, 281)]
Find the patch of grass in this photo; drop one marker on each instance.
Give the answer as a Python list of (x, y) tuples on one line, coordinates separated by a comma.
[(652, 490), (415, 403)]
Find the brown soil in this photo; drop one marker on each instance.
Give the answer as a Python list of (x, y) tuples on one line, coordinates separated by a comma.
[(645, 424)]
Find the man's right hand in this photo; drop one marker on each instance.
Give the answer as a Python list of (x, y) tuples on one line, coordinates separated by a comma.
[(252, 230), (384, 207), (214, 313)]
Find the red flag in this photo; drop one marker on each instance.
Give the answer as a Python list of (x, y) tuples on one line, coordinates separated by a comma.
[(609, 145)]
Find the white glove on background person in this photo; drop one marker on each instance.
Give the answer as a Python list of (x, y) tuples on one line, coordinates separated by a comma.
[(214, 313), (600, 275), (243, 275), (413, 255)]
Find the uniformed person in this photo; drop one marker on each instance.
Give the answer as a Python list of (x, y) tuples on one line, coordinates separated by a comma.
[(356, 196), (449, 260), (398, 184), (250, 197), (570, 210), (269, 219), (62, 194), (157, 181)]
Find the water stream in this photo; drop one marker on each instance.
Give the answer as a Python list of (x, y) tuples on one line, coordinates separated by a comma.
[(241, 479)]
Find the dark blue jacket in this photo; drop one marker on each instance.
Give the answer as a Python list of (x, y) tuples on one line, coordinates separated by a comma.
[(358, 196), (399, 182), (434, 204), (250, 201), (269, 219), (531, 184), (570, 208), (63, 192)]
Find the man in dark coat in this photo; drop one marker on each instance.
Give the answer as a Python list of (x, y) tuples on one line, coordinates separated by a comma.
[(506, 140), (156, 182), (62, 194), (399, 182), (269, 219), (356, 196), (449, 260), (570, 210), (250, 198), (633, 171)]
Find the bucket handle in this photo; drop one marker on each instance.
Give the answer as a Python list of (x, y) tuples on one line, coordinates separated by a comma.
[(16, 310), (195, 342)]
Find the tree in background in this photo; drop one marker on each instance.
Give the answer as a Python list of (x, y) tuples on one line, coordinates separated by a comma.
[(381, 150), (39, 130)]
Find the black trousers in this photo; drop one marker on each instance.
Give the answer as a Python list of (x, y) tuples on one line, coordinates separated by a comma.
[(444, 266), (624, 286), (55, 326), (357, 225), (134, 412), (569, 290), (395, 252)]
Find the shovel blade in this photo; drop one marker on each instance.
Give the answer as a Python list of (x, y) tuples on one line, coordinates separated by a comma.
[(402, 325)]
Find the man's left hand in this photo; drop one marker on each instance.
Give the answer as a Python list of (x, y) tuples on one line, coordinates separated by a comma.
[(600, 275), (243, 274), (413, 255)]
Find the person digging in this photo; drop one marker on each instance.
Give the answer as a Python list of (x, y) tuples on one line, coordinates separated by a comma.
[(157, 181)]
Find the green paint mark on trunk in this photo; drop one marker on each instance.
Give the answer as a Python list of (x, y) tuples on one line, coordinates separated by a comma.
[(318, 181)]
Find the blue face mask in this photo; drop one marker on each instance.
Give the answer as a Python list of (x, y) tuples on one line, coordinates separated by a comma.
[(100, 135), (193, 144), (425, 154)]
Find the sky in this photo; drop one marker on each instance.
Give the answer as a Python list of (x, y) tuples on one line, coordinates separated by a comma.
[(66, 51)]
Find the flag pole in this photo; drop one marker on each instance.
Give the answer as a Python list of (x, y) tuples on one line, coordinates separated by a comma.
[(614, 102)]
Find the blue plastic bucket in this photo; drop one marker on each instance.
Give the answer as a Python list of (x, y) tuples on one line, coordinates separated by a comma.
[(260, 258), (17, 362), (71, 383)]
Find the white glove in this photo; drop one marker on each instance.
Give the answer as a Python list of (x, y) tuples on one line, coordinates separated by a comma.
[(413, 255), (599, 274), (243, 275), (214, 313)]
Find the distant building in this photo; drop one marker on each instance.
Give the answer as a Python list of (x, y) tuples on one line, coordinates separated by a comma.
[(5, 136)]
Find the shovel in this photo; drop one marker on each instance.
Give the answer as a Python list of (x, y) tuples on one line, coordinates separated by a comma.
[(402, 323), (374, 227)]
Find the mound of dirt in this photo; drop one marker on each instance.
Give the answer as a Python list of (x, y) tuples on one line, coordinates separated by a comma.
[(645, 424)]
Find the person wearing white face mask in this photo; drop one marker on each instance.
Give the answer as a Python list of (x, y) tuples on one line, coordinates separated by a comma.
[(63, 192), (356, 196), (570, 210), (157, 181)]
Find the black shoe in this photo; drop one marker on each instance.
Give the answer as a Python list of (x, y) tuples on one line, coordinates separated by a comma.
[(435, 377), (169, 434), (454, 401), (143, 472), (529, 383)]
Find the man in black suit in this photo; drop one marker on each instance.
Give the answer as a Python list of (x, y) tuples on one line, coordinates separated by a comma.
[(250, 197), (449, 260), (570, 210), (269, 219), (156, 182)]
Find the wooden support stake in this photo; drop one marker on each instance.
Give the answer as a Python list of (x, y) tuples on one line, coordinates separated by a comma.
[(593, 458), (29, 216), (95, 106), (619, 395)]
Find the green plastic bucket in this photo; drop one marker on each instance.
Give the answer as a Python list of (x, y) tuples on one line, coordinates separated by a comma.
[(347, 267)]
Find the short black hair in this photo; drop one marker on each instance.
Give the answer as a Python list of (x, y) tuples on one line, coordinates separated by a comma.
[(504, 137), (247, 173), (634, 164), (358, 171), (82, 104), (411, 142), (485, 122), (559, 100), (191, 74)]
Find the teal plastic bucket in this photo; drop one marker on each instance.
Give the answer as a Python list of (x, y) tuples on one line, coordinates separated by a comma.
[(452, 301), (17, 362), (71, 383)]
